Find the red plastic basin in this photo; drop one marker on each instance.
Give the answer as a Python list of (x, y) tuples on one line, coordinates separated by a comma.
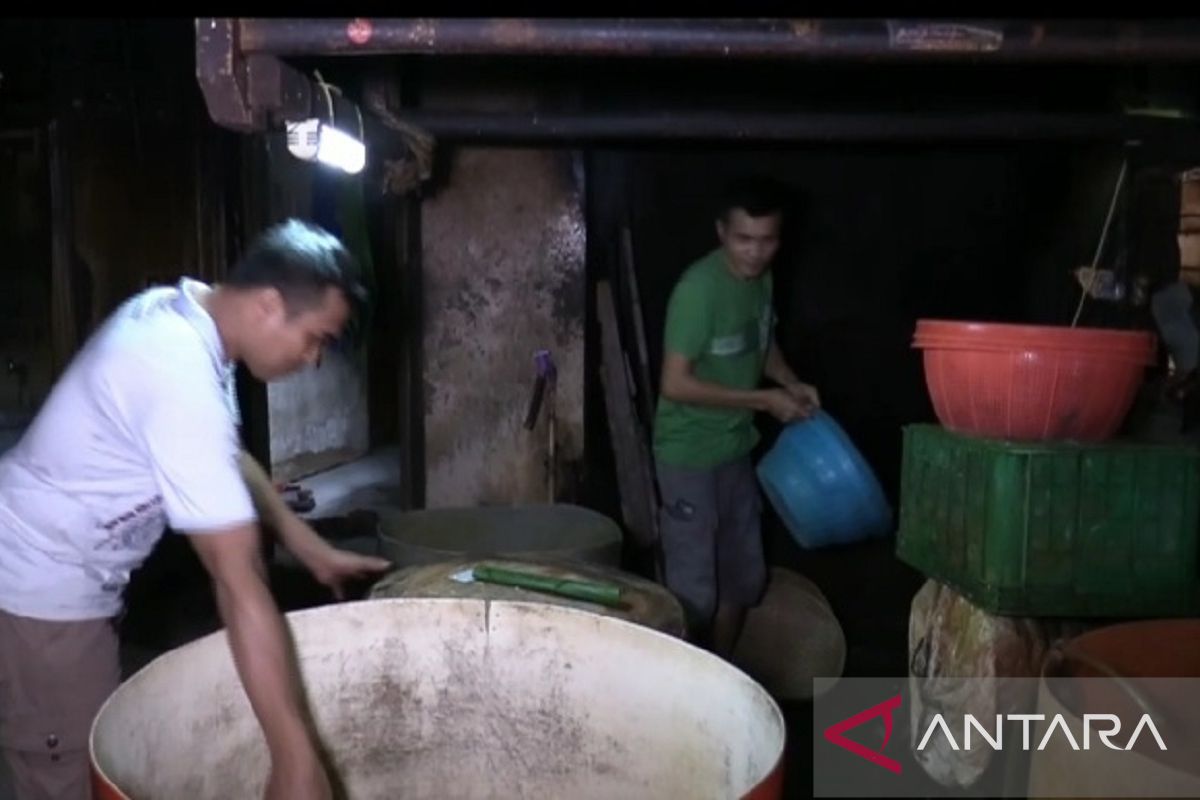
[(1032, 382)]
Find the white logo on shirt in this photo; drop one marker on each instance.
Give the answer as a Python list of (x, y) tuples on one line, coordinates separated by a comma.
[(728, 345)]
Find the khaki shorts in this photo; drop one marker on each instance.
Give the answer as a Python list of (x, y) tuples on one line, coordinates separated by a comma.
[(54, 676)]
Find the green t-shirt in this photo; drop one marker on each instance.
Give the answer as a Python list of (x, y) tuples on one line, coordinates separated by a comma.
[(722, 324)]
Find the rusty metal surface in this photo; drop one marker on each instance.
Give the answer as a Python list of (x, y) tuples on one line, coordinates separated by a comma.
[(1082, 40), (503, 255), (274, 87), (241, 90), (220, 70)]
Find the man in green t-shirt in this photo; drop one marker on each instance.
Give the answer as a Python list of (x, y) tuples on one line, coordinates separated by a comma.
[(718, 344)]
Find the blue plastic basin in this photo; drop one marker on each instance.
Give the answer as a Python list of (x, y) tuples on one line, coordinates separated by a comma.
[(821, 487)]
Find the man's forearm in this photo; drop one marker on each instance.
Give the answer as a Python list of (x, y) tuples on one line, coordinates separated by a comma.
[(777, 369), (274, 512), (263, 656), (690, 389)]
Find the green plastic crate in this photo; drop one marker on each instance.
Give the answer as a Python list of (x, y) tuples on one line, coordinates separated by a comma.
[(1053, 529)]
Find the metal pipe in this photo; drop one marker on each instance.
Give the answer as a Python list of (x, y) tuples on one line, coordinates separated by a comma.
[(1016, 40), (790, 127)]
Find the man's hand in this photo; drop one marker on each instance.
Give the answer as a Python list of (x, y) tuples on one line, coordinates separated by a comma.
[(334, 568), (780, 404), (330, 566), (805, 395)]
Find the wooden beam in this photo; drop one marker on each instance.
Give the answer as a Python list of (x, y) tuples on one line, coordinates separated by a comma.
[(633, 298), (635, 469)]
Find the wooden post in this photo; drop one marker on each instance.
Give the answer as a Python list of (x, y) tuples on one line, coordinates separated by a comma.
[(644, 386), (635, 470)]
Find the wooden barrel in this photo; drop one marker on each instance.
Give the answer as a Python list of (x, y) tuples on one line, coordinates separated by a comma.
[(430, 699), (642, 601), (560, 531), (791, 637)]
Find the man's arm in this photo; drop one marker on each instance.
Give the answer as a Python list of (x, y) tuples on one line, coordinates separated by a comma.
[(687, 329), (263, 656), (328, 564), (274, 512), (776, 368), (680, 385)]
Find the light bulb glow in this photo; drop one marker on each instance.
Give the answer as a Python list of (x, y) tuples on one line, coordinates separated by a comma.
[(339, 149)]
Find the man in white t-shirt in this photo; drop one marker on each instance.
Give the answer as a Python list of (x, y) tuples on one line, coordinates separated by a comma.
[(140, 433)]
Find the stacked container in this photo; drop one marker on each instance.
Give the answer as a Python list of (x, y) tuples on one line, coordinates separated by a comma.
[(1022, 502)]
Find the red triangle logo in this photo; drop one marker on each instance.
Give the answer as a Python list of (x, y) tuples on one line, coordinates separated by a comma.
[(834, 733)]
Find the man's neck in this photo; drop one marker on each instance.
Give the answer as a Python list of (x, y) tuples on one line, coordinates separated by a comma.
[(218, 303)]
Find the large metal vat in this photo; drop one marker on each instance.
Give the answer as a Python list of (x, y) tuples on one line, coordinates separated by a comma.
[(448, 698)]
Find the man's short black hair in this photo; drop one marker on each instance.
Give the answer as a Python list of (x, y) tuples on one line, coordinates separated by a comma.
[(756, 195), (302, 261)]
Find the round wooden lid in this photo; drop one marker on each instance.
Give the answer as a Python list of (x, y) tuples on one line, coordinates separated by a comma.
[(559, 532), (642, 601)]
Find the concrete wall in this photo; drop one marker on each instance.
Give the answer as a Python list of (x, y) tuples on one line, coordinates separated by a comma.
[(503, 272), (318, 417)]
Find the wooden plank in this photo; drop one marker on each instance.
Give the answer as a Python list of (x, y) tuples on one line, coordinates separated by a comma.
[(635, 470), (645, 388)]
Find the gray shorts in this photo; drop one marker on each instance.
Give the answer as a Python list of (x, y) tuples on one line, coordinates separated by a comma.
[(711, 537), (54, 676)]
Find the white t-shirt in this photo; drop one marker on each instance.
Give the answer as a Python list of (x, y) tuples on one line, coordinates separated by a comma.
[(139, 432)]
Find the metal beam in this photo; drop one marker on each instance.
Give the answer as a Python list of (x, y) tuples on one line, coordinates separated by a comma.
[(245, 83), (221, 72), (984, 40), (277, 88), (791, 126), (243, 91)]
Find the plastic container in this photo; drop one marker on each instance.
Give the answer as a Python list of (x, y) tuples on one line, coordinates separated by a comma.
[(1126, 670), (821, 487), (1053, 529), (1030, 382)]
